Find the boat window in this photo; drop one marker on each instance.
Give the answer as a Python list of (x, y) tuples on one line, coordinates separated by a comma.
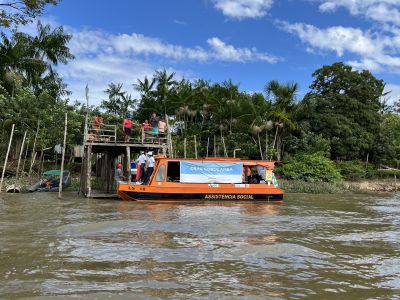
[(174, 171), (161, 173)]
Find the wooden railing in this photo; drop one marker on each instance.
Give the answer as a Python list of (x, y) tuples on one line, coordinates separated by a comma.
[(105, 133), (149, 137), (108, 134)]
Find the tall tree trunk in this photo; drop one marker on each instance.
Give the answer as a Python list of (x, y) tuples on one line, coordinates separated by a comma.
[(259, 144)]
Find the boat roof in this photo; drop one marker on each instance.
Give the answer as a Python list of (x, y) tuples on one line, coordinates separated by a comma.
[(54, 172), (265, 163)]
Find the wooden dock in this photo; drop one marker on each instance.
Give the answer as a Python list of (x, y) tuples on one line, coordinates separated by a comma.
[(102, 153)]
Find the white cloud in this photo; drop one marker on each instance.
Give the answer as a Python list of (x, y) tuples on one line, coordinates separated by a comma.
[(179, 22), (375, 52), (386, 11), (394, 94), (102, 57), (222, 51), (241, 9), (101, 70), (135, 44)]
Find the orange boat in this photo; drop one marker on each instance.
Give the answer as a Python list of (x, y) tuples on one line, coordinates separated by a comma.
[(207, 179)]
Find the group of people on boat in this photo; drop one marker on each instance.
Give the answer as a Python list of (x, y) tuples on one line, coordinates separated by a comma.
[(144, 168), (155, 128)]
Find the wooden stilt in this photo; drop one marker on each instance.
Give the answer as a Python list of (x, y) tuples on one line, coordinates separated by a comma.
[(8, 152), (208, 143), (128, 163), (215, 148), (33, 149), (63, 156), (82, 178), (20, 155), (32, 163), (26, 155), (195, 147), (107, 166), (89, 172), (223, 143), (184, 147)]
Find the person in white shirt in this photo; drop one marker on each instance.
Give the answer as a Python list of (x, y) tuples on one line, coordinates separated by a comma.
[(150, 167), (142, 163)]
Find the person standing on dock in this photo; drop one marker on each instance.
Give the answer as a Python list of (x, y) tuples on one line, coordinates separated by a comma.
[(119, 176), (142, 163), (96, 124), (127, 127), (145, 128), (150, 167), (154, 123), (161, 129)]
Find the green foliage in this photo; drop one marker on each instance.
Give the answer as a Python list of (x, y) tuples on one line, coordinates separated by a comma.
[(310, 167), (352, 170), (344, 106), (308, 142), (14, 13), (300, 186)]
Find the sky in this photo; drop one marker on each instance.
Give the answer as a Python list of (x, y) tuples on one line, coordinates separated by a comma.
[(247, 41)]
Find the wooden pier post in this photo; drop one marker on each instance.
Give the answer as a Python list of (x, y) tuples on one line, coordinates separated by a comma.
[(63, 156), (89, 171), (20, 155), (195, 146), (223, 143), (208, 143), (128, 163), (33, 149), (215, 150), (8, 152), (32, 163), (26, 155), (107, 164), (184, 147)]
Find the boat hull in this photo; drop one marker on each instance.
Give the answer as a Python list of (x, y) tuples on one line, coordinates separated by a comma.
[(133, 192)]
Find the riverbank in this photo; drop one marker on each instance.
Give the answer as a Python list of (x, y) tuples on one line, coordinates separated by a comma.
[(289, 186), (364, 186)]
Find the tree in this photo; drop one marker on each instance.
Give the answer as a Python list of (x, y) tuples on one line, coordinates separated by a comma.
[(21, 12), (119, 102), (165, 84), (344, 106), (32, 59), (283, 98)]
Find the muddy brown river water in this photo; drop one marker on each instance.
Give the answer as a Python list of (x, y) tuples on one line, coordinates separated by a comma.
[(311, 247)]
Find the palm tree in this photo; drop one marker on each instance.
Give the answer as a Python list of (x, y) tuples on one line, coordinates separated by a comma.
[(283, 97), (165, 84), (118, 102), (51, 44), (145, 87)]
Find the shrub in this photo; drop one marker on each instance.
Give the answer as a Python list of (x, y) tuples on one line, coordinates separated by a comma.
[(352, 170), (310, 167)]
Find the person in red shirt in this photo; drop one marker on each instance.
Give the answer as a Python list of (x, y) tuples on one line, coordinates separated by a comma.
[(145, 128), (146, 125), (127, 128)]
